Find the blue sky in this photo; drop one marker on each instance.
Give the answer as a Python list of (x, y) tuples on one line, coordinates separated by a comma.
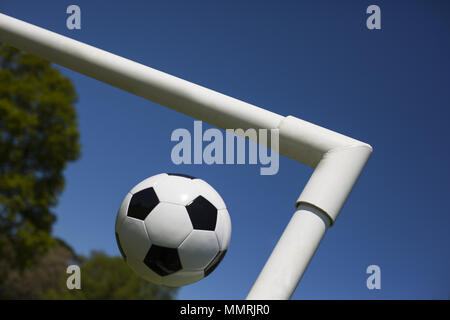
[(312, 59)]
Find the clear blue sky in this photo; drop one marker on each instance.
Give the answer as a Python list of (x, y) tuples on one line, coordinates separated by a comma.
[(312, 59)]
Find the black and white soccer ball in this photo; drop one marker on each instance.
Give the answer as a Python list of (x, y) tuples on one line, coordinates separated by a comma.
[(173, 229)]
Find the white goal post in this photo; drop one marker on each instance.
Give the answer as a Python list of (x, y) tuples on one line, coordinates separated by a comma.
[(338, 160)]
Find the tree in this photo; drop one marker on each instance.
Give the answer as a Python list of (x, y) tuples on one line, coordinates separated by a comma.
[(38, 137), (34, 282), (104, 277)]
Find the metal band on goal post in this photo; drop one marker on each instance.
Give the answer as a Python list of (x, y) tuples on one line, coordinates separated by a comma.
[(338, 160)]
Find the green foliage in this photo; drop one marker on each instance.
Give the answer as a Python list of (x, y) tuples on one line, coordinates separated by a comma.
[(38, 137), (104, 277)]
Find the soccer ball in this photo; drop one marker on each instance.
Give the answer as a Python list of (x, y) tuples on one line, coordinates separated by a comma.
[(173, 229)]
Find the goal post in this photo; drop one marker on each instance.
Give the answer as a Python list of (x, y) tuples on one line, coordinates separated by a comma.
[(337, 159)]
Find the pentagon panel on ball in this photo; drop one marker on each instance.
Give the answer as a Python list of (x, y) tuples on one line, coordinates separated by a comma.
[(173, 229)]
